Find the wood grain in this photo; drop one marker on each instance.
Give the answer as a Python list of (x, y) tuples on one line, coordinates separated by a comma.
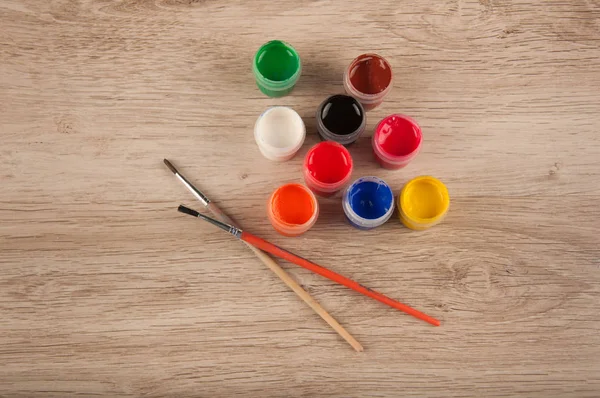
[(106, 291)]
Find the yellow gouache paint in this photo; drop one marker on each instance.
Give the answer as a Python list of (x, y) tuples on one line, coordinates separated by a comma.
[(423, 202)]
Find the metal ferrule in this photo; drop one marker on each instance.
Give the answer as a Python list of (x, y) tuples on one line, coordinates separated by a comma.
[(226, 227), (199, 195), (236, 232)]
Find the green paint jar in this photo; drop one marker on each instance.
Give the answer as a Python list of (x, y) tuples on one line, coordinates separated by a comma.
[(277, 68)]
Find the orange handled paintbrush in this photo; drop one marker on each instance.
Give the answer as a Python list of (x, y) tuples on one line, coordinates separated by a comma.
[(270, 263), (286, 255)]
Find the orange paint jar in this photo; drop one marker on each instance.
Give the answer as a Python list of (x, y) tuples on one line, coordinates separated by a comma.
[(292, 209)]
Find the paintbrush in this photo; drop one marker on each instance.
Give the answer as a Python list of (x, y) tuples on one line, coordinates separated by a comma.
[(269, 262), (291, 257)]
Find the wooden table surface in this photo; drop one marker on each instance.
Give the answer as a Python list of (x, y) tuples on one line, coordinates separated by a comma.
[(105, 290)]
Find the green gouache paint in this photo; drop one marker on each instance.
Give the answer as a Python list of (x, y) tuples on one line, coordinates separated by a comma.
[(276, 68)]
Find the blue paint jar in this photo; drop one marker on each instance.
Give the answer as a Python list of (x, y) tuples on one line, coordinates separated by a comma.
[(368, 202)]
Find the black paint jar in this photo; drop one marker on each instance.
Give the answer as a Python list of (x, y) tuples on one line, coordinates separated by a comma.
[(341, 118)]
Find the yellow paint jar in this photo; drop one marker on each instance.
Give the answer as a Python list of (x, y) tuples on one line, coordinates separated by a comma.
[(423, 203)]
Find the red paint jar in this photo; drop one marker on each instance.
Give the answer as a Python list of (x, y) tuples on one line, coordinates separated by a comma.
[(396, 141), (327, 168), (368, 79)]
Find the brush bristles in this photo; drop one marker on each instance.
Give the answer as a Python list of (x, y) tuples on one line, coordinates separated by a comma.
[(170, 166), (187, 210)]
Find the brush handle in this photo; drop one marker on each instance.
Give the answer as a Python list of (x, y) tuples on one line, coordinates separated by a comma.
[(291, 257), (269, 262), (291, 283)]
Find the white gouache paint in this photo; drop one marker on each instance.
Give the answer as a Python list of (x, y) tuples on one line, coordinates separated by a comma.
[(279, 133)]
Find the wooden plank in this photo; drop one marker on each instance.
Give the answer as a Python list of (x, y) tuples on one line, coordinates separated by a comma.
[(106, 291)]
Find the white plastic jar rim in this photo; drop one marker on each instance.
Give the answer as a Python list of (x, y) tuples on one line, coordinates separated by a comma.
[(277, 85), (343, 139), (326, 187), (293, 229), (366, 222), (398, 161), (395, 159), (277, 152), (367, 99)]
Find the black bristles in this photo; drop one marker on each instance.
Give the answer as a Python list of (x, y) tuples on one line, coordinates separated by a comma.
[(187, 210)]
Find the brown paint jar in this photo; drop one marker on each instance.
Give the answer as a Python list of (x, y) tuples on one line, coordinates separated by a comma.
[(368, 79)]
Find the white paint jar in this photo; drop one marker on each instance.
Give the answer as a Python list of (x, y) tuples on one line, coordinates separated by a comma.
[(279, 133)]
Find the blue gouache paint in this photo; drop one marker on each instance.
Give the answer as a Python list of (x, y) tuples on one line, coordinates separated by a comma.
[(368, 202)]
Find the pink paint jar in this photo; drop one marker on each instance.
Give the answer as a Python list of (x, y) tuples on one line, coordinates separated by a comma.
[(396, 141), (327, 168)]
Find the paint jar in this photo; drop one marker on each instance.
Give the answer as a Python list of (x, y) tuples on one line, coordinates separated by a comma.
[(279, 133), (341, 118), (396, 141), (292, 209), (423, 203), (327, 168), (369, 79), (276, 68), (368, 202)]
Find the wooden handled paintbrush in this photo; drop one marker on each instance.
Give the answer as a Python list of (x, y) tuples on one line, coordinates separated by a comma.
[(270, 263), (286, 255)]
